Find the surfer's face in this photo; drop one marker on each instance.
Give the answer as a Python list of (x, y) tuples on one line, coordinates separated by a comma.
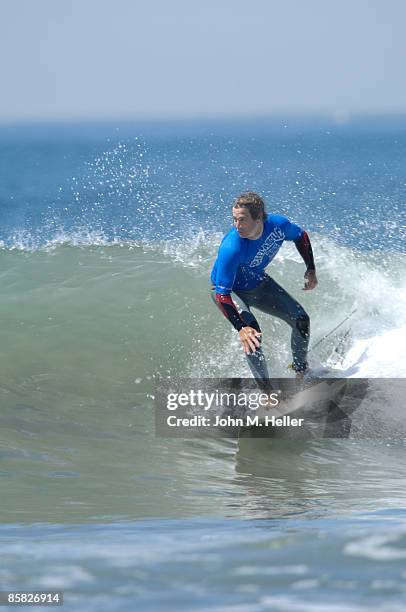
[(245, 225)]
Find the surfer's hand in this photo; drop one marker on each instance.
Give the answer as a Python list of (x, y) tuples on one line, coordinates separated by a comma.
[(249, 339), (311, 280)]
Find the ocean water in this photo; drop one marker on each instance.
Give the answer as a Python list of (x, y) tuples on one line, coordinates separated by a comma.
[(108, 235)]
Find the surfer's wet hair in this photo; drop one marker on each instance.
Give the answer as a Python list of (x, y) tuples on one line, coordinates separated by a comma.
[(253, 202)]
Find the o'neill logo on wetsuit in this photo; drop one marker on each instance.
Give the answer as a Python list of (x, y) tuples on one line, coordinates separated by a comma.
[(270, 247)]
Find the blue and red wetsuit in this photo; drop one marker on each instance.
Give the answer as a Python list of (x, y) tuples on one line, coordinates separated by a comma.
[(240, 269)]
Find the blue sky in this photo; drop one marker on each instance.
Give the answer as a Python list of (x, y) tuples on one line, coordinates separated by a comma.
[(122, 59)]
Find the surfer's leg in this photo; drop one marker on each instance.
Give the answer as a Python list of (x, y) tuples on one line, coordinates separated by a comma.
[(256, 361), (274, 300)]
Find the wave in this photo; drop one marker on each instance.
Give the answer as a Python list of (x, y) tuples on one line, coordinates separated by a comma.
[(89, 310)]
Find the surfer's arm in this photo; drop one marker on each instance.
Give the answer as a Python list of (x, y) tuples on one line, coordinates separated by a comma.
[(302, 242), (305, 249), (229, 310), (248, 335), (227, 265), (295, 233)]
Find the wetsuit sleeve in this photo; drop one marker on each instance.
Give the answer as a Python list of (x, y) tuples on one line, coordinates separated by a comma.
[(305, 249), (229, 310), (228, 260)]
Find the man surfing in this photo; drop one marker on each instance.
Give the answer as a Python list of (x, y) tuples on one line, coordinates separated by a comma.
[(240, 281)]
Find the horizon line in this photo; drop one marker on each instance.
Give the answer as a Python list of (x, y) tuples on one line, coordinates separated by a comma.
[(336, 117)]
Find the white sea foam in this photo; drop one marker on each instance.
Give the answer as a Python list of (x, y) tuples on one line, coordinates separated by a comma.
[(382, 356)]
